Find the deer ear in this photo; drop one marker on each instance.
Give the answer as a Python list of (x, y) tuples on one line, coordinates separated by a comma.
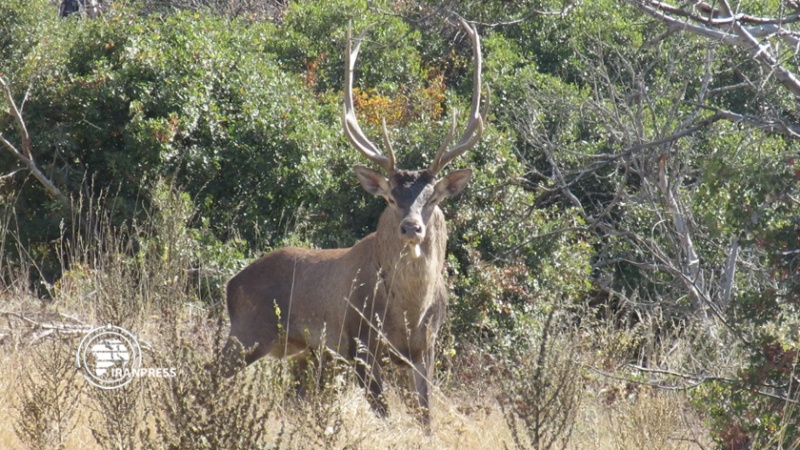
[(453, 183), (371, 181)]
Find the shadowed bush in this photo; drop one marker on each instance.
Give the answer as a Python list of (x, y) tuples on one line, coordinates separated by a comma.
[(50, 389), (541, 390)]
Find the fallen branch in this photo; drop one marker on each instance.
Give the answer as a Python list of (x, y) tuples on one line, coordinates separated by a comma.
[(40, 330)]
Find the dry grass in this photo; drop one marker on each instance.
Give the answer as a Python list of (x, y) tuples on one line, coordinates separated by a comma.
[(658, 422), (650, 419), (290, 424), (148, 290), (466, 414), (464, 417)]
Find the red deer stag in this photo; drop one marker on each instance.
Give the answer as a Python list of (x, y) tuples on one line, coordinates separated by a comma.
[(386, 293)]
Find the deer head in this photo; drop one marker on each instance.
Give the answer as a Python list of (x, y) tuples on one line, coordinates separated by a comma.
[(412, 196)]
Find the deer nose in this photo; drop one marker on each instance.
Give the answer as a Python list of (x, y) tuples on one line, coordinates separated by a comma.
[(410, 228)]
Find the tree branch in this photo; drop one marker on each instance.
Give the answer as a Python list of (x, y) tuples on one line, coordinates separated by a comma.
[(742, 36), (25, 156), (692, 381), (770, 126), (729, 273), (17, 115)]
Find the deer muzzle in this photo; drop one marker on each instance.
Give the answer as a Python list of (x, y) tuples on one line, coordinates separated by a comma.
[(413, 232)]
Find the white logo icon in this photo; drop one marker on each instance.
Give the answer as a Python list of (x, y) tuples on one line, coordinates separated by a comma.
[(110, 357)]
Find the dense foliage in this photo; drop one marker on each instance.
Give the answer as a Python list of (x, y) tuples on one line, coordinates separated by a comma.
[(608, 176)]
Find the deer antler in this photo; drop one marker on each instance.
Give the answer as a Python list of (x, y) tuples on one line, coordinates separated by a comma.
[(351, 128), (474, 128)]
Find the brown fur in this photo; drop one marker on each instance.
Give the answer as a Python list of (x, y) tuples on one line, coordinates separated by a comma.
[(374, 293), (384, 293)]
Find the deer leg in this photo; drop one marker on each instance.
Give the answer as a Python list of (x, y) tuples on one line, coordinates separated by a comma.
[(368, 371), (235, 356), (308, 368), (369, 376), (422, 373), (299, 366)]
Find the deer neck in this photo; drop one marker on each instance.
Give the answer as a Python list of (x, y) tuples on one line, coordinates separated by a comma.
[(411, 282)]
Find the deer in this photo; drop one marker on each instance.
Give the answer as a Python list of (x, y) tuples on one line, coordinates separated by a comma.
[(384, 295)]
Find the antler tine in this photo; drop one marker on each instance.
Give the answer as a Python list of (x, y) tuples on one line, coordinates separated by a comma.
[(446, 143), (387, 142), (474, 128), (352, 130)]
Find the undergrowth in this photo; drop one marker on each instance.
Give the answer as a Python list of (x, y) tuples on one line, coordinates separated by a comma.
[(145, 279)]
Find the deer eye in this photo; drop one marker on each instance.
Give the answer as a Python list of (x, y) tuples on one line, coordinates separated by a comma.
[(391, 201)]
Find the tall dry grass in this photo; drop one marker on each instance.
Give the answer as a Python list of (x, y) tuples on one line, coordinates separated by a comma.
[(143, 278)]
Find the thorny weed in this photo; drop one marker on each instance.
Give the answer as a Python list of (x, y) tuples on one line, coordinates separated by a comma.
[(117, 416), (201, 408), (49, 395), (540, 395)]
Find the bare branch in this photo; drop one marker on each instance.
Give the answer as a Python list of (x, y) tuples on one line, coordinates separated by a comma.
[(682, 25), (533, 12), (712, 19), (25, 156), (691, 261), (743, 36), (730, 273), (691, 381), (606, 160), (770, 126), (15, 113)]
